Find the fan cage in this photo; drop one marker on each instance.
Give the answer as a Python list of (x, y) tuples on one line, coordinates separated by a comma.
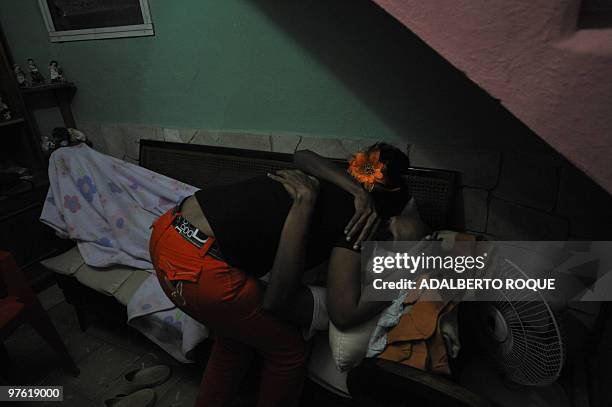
[(533, 353)]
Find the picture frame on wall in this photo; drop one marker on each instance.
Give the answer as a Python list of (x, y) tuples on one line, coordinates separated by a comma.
[(78, 20)]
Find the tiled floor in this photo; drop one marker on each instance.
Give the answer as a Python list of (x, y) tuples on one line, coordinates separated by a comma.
[(104, 354)]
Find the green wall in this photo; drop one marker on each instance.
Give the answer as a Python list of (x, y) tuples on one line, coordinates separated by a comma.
[(334, 68)]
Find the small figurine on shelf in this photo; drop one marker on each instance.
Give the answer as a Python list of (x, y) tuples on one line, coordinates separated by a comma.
[(56, 73), (47, 144), (35, 75), (5, 112), (21, 78)]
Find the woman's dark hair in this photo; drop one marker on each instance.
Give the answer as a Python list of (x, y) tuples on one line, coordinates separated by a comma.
[(392, 198), (396, 163)]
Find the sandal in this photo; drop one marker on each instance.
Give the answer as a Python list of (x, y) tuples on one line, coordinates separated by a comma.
[(143, 378), (140, 398)]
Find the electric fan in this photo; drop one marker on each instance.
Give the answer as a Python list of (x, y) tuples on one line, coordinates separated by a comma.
[(521, 332)]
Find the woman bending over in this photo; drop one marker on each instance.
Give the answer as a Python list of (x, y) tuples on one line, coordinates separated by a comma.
[(210, 251)]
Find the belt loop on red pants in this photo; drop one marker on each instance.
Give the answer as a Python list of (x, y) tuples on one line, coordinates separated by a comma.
[(204, 249)]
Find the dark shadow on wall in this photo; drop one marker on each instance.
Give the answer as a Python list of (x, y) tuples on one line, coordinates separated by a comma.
[(424, 98)]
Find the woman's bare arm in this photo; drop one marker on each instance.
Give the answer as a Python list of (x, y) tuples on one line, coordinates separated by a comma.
[(365, 221), (344, 304), (288, 266), (322, 168)]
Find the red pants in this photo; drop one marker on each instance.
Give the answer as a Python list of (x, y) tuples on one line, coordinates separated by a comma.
[(229, 302)]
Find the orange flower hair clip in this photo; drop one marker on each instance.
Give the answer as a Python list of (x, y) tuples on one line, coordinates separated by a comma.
[(367, 169)]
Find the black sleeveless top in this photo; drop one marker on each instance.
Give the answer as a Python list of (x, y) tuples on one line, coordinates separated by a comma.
[(247, 219)]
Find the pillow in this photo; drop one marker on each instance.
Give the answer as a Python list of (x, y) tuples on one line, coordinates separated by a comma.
[(350, 346)]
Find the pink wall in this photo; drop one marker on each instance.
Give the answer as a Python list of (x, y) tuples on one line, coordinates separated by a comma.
[(555, 78)]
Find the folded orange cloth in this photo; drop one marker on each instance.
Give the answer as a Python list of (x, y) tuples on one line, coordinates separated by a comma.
[(417, 340)]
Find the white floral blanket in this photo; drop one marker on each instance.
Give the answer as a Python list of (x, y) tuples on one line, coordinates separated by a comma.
[(107, 206)]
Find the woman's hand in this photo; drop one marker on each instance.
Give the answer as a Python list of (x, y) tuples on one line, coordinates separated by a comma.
[(301, 187), (365, 221)]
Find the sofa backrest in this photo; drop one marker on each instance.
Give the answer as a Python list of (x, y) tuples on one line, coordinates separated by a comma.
[(200, 166)]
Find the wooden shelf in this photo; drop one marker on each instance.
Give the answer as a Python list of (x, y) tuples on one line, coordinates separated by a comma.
[(11, 122), (49, 87), (21, 231), (51, 95)]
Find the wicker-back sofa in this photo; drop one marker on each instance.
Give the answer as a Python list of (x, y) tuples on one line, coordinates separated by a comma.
[(106, 294)]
